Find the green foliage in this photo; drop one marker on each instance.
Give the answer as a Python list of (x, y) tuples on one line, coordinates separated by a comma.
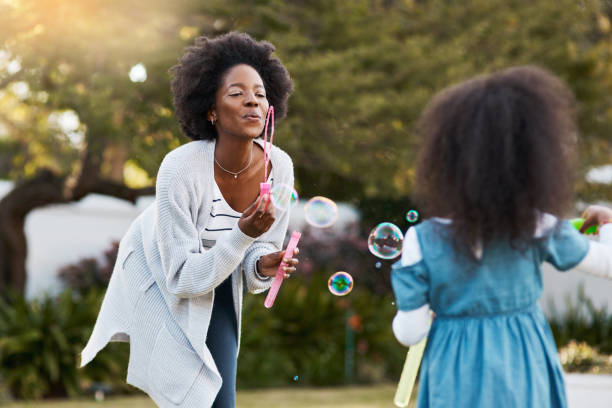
[(304, 335), (83, 68), (582, 322), (363, 71), (40, 342)]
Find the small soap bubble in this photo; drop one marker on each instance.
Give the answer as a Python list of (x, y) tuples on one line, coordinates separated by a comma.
[(340, 283), (412, 216), (385, 241), (283, 196), (392, 303), (378, 265), (296, 378), (321, 212)]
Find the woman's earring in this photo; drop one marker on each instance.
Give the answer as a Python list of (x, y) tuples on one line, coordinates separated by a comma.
[(212, 121)]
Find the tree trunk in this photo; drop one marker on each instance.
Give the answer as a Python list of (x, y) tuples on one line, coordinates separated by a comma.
[(43, 189)]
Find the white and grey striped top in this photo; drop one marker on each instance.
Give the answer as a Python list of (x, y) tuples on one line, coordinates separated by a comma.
[(222, 218)]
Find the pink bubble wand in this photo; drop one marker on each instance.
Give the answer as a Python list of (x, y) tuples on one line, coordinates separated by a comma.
[(280, 274), (264, 188)]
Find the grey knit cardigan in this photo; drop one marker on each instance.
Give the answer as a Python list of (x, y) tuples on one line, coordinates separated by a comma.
[(161, 292)]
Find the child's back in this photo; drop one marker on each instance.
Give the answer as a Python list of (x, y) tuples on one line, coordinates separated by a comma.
[(489, 331), (490, 345)]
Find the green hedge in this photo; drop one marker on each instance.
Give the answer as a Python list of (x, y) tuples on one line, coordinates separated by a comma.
[(40, 342), (582, 322), (314, 335), (309, 337)]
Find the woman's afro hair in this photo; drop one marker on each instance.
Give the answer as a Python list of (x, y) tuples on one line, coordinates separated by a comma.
[(200, 72)]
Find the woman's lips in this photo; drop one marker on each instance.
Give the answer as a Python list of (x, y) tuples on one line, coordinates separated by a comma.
[(252, 117)]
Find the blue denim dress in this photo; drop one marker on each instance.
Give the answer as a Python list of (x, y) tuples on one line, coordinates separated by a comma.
[(490, 344)]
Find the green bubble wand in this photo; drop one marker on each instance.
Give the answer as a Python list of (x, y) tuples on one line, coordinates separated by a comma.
[(578, 222), (409, 373)]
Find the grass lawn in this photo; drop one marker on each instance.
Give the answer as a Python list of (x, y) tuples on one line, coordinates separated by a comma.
[(341, 397)]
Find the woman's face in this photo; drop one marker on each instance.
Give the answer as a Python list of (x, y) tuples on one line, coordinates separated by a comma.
[(240, 103)]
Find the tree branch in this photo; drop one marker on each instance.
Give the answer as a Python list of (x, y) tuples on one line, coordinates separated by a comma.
[(120, 190)]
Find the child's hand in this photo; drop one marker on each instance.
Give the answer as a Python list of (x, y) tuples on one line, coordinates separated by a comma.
[(595, 215), (268, 264)]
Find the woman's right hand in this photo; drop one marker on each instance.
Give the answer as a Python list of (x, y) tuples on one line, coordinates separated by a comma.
[(258, 217), (595, 215)]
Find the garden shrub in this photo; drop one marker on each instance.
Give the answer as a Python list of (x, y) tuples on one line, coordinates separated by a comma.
[(305, 335), (40, 342), (582, 322), (89, 273), (310, 337)]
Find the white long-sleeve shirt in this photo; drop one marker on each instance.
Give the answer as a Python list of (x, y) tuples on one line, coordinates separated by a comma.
[(411, 326)]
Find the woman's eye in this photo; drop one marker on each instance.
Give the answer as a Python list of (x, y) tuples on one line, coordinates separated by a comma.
[(261, 95), (236, 94)]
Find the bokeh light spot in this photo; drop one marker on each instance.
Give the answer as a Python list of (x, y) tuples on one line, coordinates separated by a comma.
[(138, 73)]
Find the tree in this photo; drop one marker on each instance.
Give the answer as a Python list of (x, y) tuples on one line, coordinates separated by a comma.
[(363, 71), (70, 115)]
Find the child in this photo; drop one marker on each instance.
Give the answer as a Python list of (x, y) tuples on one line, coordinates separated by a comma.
[(495, 174)]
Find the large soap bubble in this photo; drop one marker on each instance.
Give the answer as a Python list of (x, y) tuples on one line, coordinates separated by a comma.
[(385, 241), (283, 196), (320, 212)]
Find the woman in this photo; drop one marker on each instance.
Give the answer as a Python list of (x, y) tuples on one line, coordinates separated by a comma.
[(176, 289)]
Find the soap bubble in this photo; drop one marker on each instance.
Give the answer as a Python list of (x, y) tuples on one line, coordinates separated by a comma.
[(412, 216), (295, 378), (378, 265), (385, 241), (283, 196), (320, 212), (340, 283)]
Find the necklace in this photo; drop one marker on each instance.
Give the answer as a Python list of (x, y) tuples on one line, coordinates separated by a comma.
[(235, 174)]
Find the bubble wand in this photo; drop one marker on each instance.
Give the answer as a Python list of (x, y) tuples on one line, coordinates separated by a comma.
[(280, 274), (264, 188), (578, 222), (409, 373)]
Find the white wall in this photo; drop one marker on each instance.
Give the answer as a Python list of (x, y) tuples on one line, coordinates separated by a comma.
[(63, 234)]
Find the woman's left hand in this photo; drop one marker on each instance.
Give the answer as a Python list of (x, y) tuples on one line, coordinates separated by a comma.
[(268, 264)]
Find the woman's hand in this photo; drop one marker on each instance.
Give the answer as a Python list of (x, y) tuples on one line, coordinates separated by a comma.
[(258, 218), (595, 215), (268, 264)]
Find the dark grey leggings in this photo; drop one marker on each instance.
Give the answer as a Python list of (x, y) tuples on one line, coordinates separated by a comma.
[(222, 341)]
